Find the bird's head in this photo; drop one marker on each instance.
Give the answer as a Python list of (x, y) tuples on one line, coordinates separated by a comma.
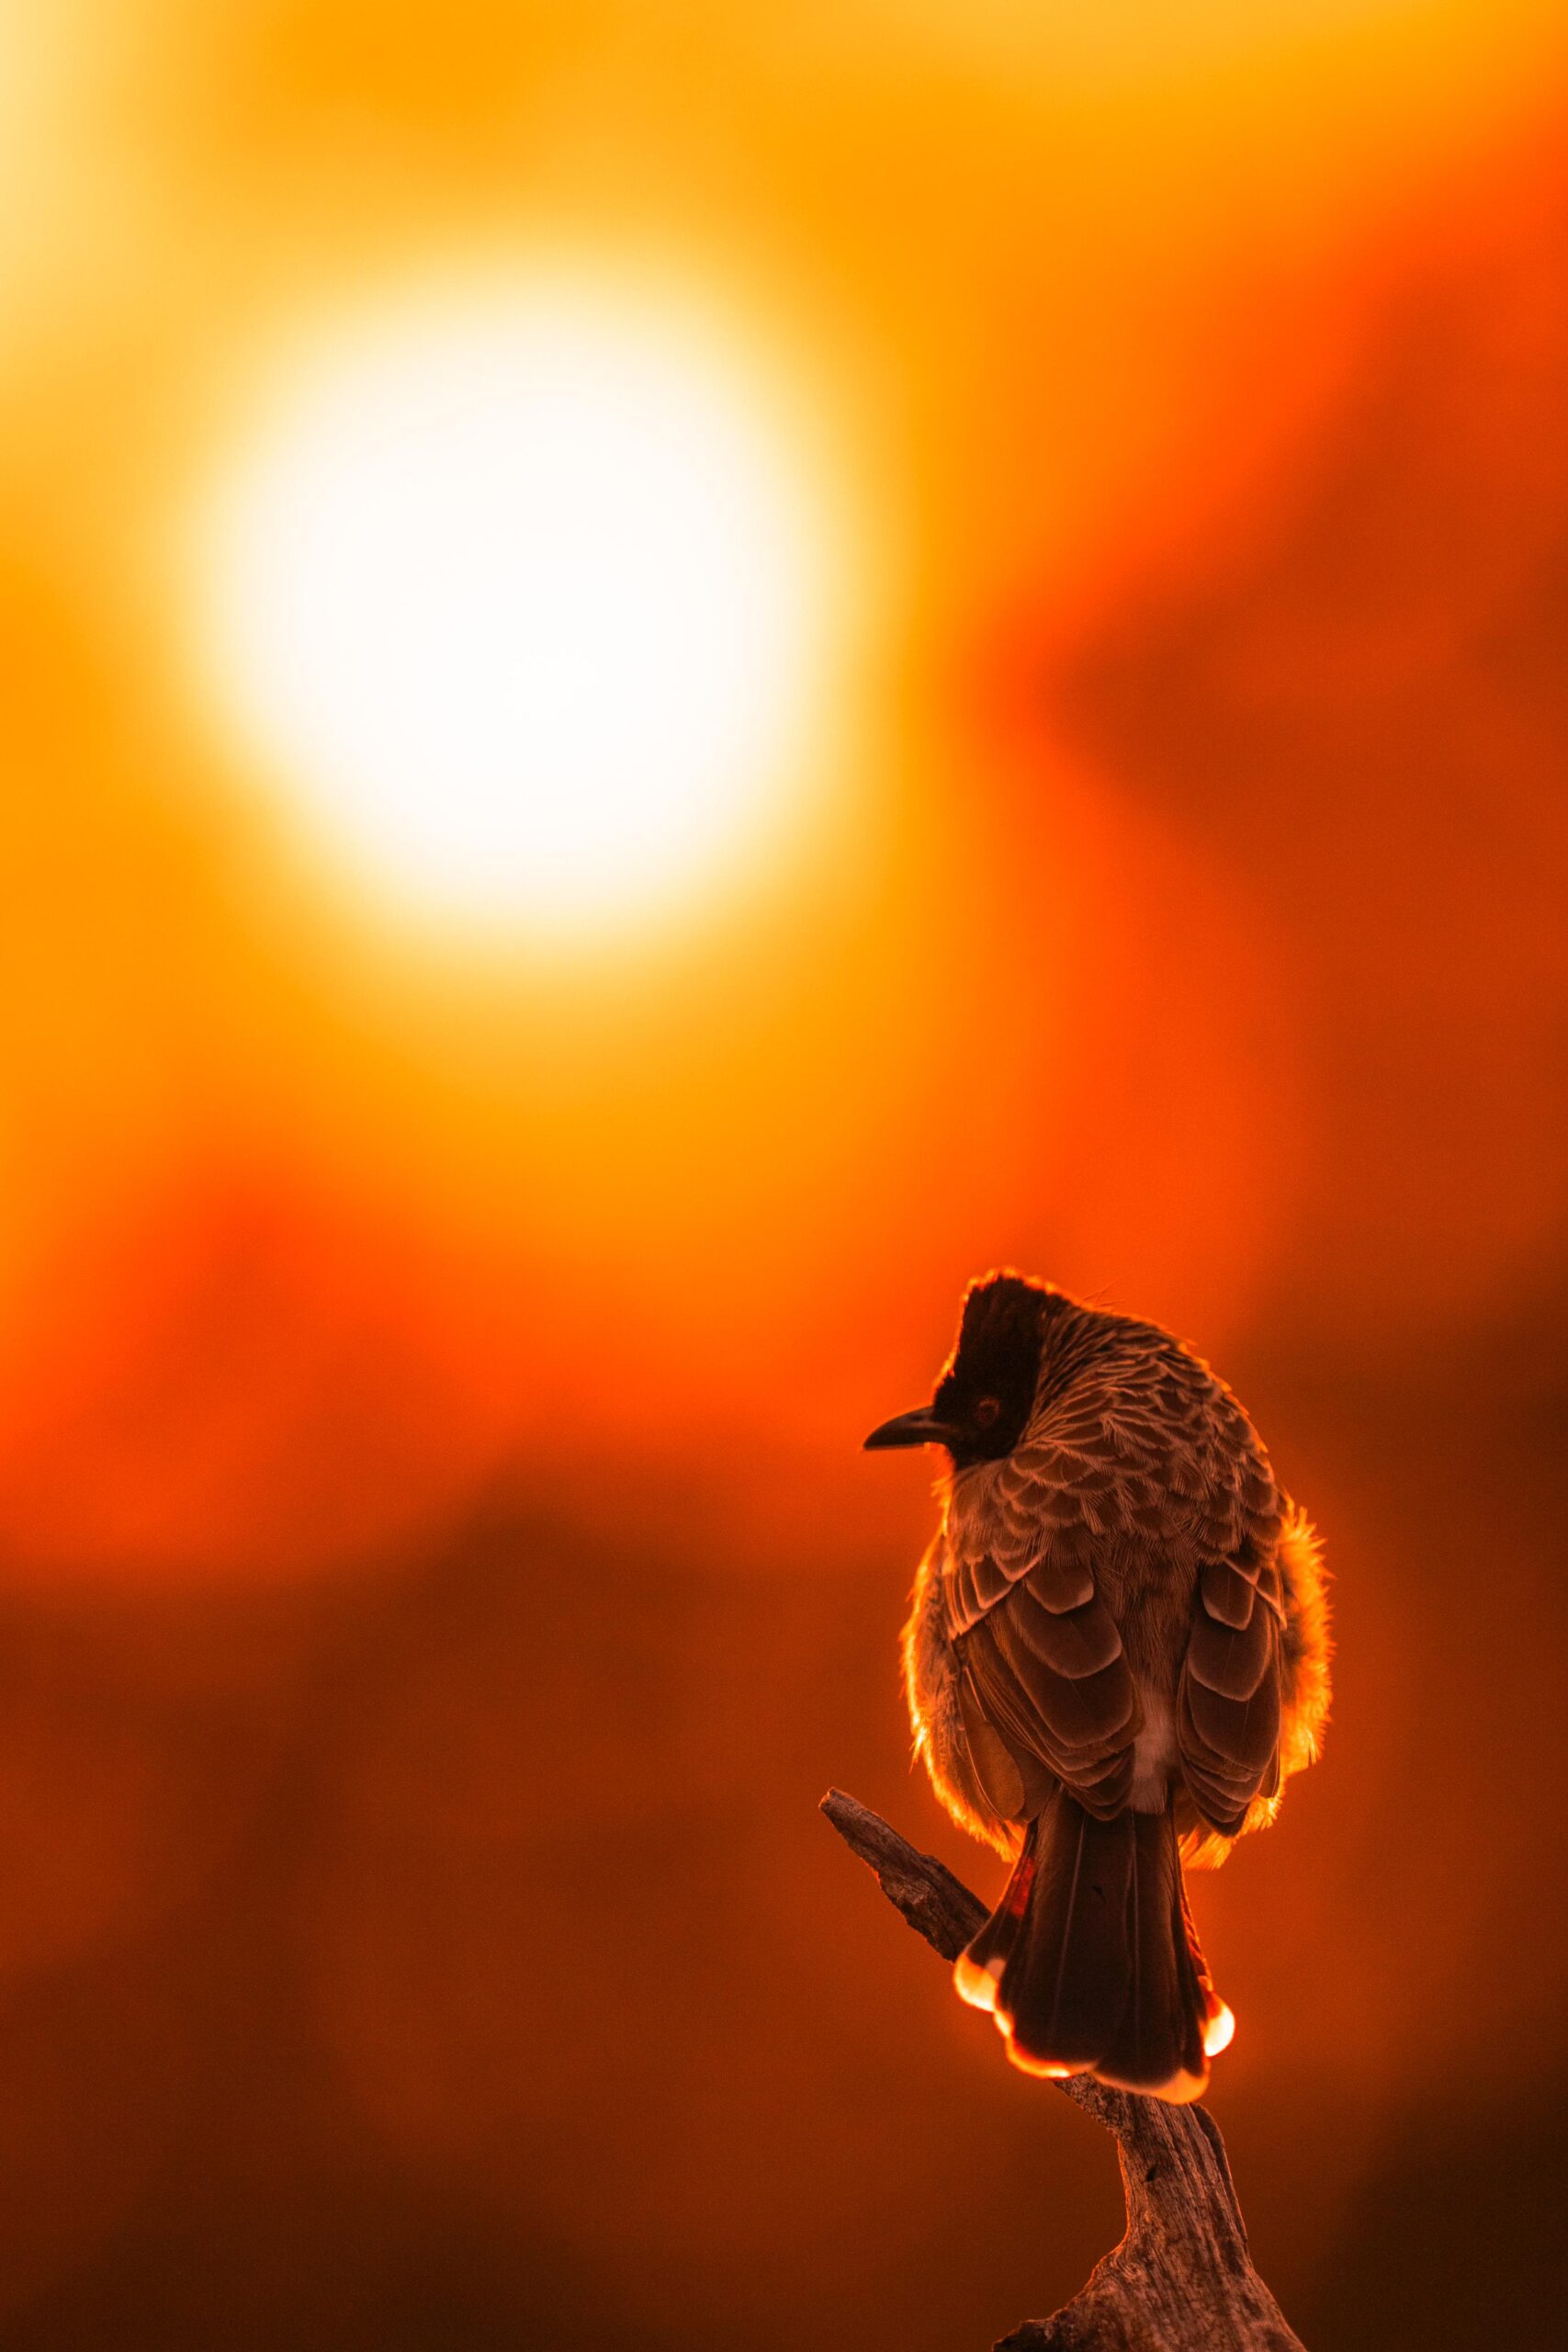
[(985, 1392)]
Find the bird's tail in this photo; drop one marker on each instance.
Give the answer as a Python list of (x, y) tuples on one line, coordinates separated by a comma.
[(1090, 1962)]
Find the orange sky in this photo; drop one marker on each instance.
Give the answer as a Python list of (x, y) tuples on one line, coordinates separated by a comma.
[(1063, 294)]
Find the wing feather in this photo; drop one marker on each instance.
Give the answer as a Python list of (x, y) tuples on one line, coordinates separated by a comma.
[(1073, 1641), (1228, 1594), (1228, 1714), (1079, 1717), (1230, 1660)]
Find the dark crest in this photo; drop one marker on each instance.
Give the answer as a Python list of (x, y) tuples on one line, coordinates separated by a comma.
[(987, 1392)]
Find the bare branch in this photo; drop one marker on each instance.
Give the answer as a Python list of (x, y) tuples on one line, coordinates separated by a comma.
[(1181, 2279)]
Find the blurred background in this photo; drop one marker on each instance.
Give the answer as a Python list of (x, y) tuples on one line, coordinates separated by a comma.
[(673, 675)]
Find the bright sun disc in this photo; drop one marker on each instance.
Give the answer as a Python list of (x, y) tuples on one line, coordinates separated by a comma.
[(519, 595)]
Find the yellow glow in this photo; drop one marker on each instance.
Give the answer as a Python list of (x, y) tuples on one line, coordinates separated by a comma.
[(977, 1986), (1219, 2031), (519, 593)]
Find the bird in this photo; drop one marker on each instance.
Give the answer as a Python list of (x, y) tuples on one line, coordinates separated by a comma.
[(1117, 1655)]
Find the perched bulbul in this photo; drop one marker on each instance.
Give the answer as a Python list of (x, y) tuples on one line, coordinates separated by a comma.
[(1118, 1655)]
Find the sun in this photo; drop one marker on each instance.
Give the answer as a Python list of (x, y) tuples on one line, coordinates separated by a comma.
[(520, 597)]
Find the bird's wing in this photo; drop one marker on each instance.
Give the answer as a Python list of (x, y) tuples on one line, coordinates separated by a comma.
[(1229, 1700), (1054, 1686), (1043, 1659)]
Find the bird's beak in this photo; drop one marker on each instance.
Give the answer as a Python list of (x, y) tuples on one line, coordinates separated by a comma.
[(919, 1427)]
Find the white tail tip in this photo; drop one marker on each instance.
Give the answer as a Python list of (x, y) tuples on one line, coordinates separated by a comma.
[(1219, 2031), (976, 1986)]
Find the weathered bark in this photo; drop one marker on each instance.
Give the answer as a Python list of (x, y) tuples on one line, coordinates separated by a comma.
[(1181, 2279)]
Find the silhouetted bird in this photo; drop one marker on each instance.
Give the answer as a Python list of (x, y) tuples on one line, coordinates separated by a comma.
[(1118, 1655)]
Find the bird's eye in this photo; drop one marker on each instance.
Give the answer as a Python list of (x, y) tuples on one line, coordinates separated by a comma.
[(986, 1412)]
